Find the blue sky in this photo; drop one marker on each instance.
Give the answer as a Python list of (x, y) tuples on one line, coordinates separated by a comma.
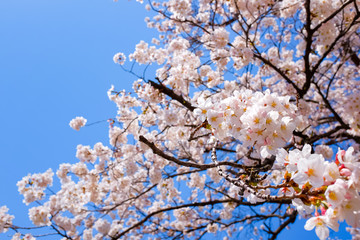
[(56, 64)]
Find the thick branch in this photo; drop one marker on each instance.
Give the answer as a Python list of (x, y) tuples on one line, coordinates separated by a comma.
[(308, 38), (157, 151), (163, 89)]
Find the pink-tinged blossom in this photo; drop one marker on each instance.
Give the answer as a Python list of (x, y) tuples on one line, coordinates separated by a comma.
[(355, 232), (178, 44), (282, 158), (171, 117), (102, 152), (119, 58), (179, 8), (63, 171), (350, 211), (303, 210), (32, 187), (79, 169), (5, 219), (102, 225), (240, 53), (286, 127), (197, 181), (185, 215), (77, 123), (215, 119), (310, 170), (321, 224), (213, 228), (88, 234), (40, 216), (335, 193), (220, 38), (263, 119), (141, 54), (203, 106), (348, 158), (19, 236), (324, 150), (331, 173), (352, 112), (292, 158), (85, 154)]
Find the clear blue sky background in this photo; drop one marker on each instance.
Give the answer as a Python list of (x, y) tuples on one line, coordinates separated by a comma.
[(56, 64)]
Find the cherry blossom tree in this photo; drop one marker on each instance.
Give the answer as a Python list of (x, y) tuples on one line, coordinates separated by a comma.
[(250, 120)]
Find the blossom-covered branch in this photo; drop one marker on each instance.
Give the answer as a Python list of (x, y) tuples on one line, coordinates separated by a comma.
[(253, 120)]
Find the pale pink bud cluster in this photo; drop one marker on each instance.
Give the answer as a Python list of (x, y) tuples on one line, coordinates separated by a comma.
[(213, 228), (324, 150), (184, 66), (211, 77), (145, 55), (178, 44), (5, 219), (85, 154), (19, 236), (179, 8), (352, 112), (184, 215), (240, 54), (220, 38), (32, 187), (102, 225), (40, 216), (77, 123), (355, 232), (119, 58)]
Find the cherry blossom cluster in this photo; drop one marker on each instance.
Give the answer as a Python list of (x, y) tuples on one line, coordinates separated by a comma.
[(5, 219), (263, 120), (119, 58), (32, 187), (352, 112), (77, 123), (335, 187), (19, 236), (144, 54)]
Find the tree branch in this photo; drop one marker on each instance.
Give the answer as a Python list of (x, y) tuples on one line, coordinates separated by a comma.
[(169, 92)]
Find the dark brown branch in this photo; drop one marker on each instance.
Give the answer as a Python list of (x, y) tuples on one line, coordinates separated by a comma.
[(281, 73), (332, 15), (353, 56), (328, 105), (291, 219), (308, 39), (157, 151), (197, 204), (332, 45), (169, 92)]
